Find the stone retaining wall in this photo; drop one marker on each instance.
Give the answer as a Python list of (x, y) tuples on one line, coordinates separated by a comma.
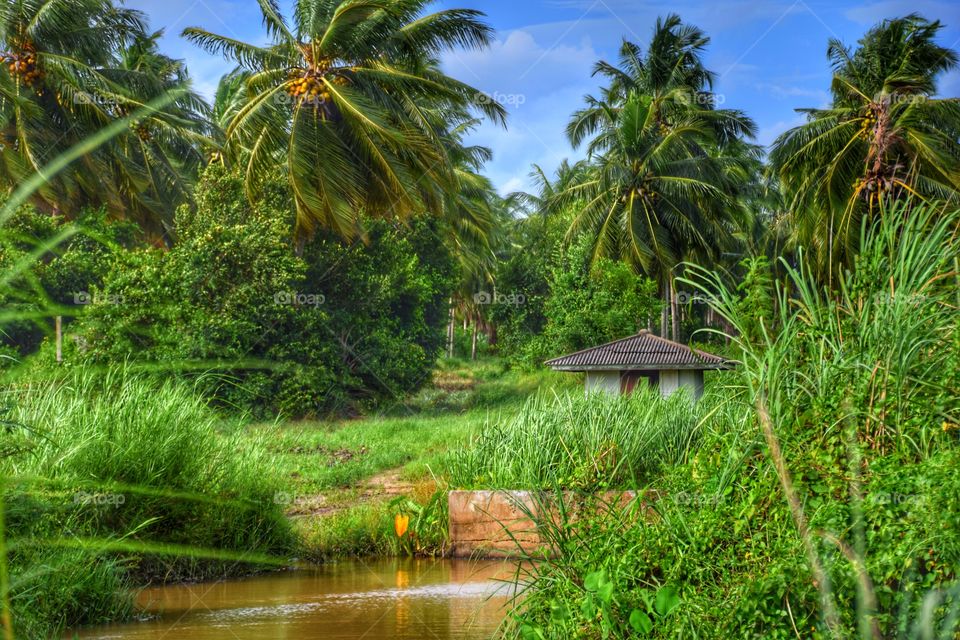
[(498, 523)]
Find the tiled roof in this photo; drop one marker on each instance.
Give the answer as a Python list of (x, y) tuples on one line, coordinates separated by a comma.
[(642, 351)]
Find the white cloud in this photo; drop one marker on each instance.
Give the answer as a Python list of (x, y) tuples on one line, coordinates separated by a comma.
[(519, 64), (540, 85), (789, 91), (768, 133), (513, 184)]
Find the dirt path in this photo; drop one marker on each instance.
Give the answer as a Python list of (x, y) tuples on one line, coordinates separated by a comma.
[(382, 486)]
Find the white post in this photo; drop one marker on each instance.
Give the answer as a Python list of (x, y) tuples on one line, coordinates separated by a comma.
[(59, 332)]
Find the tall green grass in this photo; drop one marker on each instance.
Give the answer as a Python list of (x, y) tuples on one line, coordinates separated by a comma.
[(577, 442), (121, 479)]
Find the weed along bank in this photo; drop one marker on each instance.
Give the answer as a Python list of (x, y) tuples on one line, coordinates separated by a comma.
[(618, 367)]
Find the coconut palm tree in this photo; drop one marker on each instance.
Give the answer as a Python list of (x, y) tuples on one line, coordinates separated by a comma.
[(668, 164), (672, 73), (473, 217), (72, 67), (229, 99), (343, 96), (656, 195), (470, 210), (885, 135), (549, 192), (168, 148)]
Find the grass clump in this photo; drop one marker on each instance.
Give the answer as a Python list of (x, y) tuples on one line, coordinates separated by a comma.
[(117, 480), (359, 530), (54, 588), (577, 442)]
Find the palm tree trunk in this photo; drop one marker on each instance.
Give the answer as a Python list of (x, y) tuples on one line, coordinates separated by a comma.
[(674, 313), (451, 326), (664, 312), (473, 343)]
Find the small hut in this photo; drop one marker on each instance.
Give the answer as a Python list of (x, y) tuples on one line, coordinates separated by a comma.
[(619, 366)]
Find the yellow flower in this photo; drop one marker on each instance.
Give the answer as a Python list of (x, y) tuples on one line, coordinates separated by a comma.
[(400, 524)]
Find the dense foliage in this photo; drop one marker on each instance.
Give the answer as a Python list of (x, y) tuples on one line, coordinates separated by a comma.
[(342, 219), (822, 496), (299, 335), (554, 299), (49, 265), (69, 70), (885, 133), (351, 96)]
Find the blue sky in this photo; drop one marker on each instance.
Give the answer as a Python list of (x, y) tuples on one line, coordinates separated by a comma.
[(769, 57)]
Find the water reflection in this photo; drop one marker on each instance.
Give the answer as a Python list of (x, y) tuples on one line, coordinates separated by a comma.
[(396, 598)]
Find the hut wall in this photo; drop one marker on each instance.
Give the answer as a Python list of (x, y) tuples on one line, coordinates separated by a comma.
[(603, 382)]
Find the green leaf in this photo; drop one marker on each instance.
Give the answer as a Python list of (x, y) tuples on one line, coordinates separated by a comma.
[(640, 621), (529, 632), (605, 592), (666, 601), (559, 612), (588, 608), (592, 581)]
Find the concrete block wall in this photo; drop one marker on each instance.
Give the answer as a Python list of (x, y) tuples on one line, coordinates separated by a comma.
[(497, 524)]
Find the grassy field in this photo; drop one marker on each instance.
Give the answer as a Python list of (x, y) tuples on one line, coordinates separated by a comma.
[(343, 480)]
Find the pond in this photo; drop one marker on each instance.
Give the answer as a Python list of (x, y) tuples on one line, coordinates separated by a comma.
[(393, 598)]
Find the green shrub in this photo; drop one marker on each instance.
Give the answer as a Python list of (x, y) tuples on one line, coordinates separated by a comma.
[(332, 330), (586, 304), (53, 275)]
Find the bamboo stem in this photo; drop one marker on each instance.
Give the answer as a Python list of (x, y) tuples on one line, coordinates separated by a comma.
[(803, 527)]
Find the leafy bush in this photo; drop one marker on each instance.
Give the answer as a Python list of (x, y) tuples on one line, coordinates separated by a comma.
[(587, 304), (331, 330), (55, 263)]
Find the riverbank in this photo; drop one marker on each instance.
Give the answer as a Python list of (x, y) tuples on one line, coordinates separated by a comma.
[(122, 481), (113, 480)]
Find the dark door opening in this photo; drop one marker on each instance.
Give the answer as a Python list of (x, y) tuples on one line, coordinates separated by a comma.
[(630, 379)]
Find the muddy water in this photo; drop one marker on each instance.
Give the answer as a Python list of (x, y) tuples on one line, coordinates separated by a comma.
[(402, 599)]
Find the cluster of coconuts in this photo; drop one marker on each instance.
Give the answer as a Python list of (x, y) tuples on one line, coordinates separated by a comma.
[(143, 132), (23, 64), (869, 123), (307, 87), (638, 192)]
